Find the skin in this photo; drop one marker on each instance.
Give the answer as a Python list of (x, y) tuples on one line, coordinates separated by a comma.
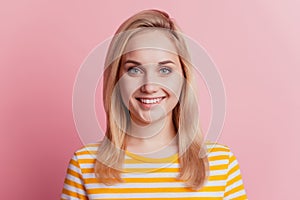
[(154, 75)]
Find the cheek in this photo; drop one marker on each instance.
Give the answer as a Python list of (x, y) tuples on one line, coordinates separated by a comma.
[(174, 85), (127, 88)]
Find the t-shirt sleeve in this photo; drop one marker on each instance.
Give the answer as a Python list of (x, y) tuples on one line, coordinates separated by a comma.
[(234, 184), (73, 188)]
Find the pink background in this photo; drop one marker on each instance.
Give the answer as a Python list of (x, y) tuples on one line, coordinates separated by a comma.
[(255, 45)]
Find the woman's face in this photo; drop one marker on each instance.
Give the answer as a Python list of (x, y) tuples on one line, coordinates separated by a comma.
[(150, 77)]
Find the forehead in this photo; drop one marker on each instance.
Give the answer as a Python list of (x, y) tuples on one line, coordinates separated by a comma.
[(151, 56), (151, 46), (151, 39)]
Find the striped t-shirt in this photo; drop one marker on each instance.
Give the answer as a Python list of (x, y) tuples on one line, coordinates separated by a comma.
[(153, 178)]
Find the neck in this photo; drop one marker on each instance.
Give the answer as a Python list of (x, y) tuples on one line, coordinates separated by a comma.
[(151, 137)]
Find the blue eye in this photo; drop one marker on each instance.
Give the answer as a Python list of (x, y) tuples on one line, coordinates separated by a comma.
[(134, 70), (165, 70)]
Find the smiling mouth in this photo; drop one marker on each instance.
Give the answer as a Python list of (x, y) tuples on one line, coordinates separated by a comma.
[(150, 101)]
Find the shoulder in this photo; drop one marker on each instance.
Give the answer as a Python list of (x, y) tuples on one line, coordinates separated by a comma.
[(88, 148), (217, 151), (220, 154), (86, 152), (217, 147)]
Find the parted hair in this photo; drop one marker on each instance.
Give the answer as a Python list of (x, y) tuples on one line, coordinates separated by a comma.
[(193, 161)]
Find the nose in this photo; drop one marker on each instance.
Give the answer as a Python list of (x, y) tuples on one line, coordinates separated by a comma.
[(149, 88), (149, 83)]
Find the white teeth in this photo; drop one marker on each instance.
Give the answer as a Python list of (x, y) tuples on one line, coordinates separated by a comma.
[(151, 101)]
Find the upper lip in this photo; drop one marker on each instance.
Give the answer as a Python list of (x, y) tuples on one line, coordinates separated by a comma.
[(150, 97)]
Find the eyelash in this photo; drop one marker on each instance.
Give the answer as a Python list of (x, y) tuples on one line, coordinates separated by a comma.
[(130, 69), (165, 68), (137, 70)]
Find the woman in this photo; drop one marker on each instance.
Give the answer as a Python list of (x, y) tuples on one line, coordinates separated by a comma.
[(153, 146)]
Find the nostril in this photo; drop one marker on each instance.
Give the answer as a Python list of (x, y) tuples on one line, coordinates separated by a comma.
[(149, 88)]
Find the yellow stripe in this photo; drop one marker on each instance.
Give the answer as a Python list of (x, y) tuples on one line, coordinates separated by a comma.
[(146, 170), (92, 161), (220, 157), (151, 160), (150, 180), (168, 198), (235, 168), (133, 161), (243, 197), (73, 173), (212, 168), (234, 190), (218, 167), (235, 179), (73, 194), (158, 180), (217, 149), (88, 170), (73, 162), (131, 170), (231, 159), (72, 183), (87, 161), (217, 178), (87, 153), (137, 180), (152, 190)]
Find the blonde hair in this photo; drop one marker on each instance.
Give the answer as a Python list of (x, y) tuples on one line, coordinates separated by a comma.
[(110, 158)]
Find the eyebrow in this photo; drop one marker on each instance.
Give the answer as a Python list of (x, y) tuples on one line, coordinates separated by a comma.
[(166, 62), (132, 62), (137, 63)]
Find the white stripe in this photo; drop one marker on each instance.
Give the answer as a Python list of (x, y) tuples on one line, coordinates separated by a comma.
[(138, 175), (74, 168), (94, 156), (88, 175), (154, 165), (155, 175), (158, 195), (88, 149), (140, 185), (64, 196), (147, 176), (73, 178), (151, 185), (216, 183), (150, 175), (217, 172), (151, 165), (74, 189), (233, 185), (210, 146), (236, 194), (94, 147), (86, 156), (233, 164), (85, 166), (231, 176), (218, 153), (218, 162)]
